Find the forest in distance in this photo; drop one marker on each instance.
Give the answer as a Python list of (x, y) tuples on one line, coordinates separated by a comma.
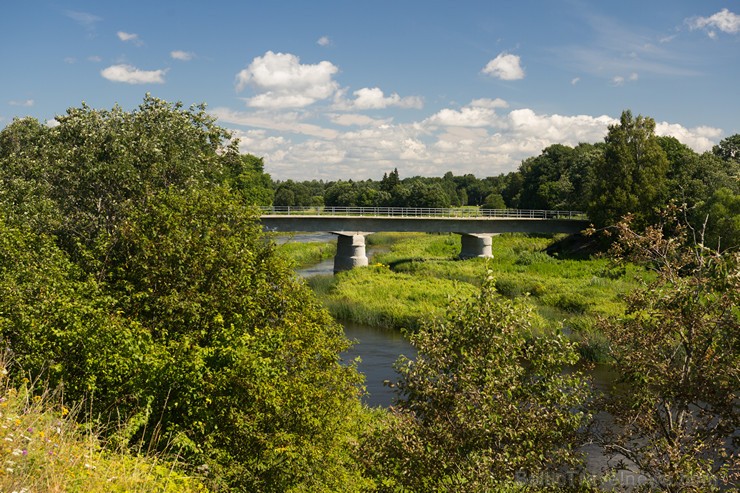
[(155, 339)]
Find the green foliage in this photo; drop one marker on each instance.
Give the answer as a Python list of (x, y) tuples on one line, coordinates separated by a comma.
[(142, 282), (678, 353), (251, 381), (632, 176), (65, 328), (483, 402)]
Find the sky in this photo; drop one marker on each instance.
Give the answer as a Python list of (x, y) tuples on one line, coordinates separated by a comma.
[(349, 89)]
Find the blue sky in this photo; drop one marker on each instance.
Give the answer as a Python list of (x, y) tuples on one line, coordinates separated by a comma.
[(350, 89)]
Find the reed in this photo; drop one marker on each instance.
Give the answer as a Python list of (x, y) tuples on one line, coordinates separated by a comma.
[(415, 278)]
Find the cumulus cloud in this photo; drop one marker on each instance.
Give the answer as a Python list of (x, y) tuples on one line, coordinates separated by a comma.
[(129, 38), (465, 117), (26, 103), (505, 67), (374, 98), (483, 137), (184, 56), (281, 81), (132, 75), (489, 103), (700, 138), (724, 20), (324, 41), (479, 113)]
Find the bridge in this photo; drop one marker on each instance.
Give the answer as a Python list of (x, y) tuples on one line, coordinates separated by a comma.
[(476, 226)]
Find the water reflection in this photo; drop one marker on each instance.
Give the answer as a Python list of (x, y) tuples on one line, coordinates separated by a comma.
[(378, 350)]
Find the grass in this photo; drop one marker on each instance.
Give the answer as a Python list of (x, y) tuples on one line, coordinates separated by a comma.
[(42, 448), (309, 253), (415, 278)]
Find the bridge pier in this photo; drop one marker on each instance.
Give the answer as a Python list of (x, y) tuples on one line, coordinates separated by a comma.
[(350, 250), (475, 245)]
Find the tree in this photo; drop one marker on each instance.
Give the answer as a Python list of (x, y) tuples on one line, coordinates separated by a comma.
[(632, 176), (728, 148), (484, 401), (153, 292), (677, 350), (246, 174)]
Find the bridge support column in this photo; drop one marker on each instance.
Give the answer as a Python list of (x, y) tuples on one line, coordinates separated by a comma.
[(350, 250), (476, 245)]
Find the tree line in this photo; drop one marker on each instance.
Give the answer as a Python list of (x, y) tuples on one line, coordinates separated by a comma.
[(632, 171), (136, 278)]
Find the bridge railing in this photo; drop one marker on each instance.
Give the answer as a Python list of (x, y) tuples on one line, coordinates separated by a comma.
[(459, 212)]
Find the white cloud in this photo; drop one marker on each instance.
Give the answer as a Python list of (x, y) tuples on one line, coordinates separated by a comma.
[(324, 41), (133, 75), (184, 56), (284, 122), (700, 139), (374, 98), (85, 19), (283, 82), (465, 117), (724, 20), (483, 137), (575, 81), (489, 103), (619, 80), (94, 59), (354, 119), (26, 103), (129, 38), (505, 67)]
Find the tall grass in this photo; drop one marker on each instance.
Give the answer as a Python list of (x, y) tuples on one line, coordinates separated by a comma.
[(418, 273), (308, 253), (43, 449)]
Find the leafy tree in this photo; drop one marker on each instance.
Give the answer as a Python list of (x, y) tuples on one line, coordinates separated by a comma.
[(150, 288), (485, 400), (246, 174), (722, 220), (494, 201), (677, 350), (251, 380), (390, 181), (61, 327), (632, 176), (728, 148)]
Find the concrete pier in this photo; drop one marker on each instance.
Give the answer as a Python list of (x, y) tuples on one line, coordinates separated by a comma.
[(350, 250), (475, 245)]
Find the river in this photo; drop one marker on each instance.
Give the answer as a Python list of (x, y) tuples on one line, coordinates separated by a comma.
[(377, 349)]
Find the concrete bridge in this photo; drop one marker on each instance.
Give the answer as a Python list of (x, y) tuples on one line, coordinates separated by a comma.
[(476, 226)]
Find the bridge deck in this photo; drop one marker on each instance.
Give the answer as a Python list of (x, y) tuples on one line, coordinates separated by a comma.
[(457, 212), (424, 220)]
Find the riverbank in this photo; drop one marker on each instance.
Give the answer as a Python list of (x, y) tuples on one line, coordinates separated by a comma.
[(418, 274)]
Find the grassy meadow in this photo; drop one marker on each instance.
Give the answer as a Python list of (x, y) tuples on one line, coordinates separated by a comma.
[(416, 275)]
